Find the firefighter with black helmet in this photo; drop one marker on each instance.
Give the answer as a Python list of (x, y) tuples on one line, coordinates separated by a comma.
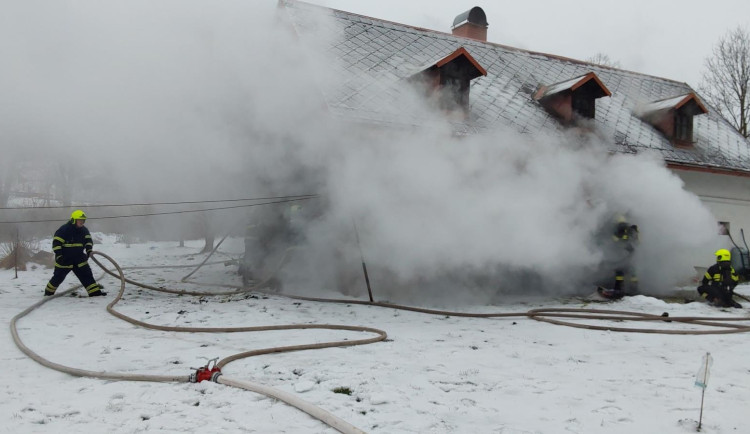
[(719, 281), (619, 255), (72, 245)]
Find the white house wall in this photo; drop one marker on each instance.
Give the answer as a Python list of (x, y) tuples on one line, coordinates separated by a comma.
[(726, 196)]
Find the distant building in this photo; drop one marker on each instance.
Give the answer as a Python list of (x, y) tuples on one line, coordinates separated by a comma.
[(482, 85)]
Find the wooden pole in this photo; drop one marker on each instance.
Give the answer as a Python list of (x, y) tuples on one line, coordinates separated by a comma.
[(362, 257), (700, 419), (15, 253), (703, 389)]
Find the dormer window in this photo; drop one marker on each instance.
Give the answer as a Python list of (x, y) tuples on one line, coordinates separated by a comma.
[(683, 127), (674, 117), (574, 98), (449, 78), (584, 105)]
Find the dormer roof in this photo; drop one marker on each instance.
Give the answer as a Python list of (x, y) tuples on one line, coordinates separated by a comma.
[(459, 56), (589, 80), (688, 102), (673, 117)]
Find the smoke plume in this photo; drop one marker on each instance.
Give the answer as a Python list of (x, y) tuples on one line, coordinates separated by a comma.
[(192, 100)]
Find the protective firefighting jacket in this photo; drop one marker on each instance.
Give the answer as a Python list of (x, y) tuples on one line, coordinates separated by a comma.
[(721, 276), (70, 245)]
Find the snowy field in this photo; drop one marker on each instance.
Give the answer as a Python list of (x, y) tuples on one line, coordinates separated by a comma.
[(434, 374)]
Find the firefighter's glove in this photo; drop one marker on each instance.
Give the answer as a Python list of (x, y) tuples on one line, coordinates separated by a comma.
[(88, 253)]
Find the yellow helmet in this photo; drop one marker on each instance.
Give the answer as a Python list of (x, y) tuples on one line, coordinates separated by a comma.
[(78, 215), (723, 255)]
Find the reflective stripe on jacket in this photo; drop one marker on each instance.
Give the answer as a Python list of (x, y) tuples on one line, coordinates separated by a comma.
[(70, 244), (718, 275)]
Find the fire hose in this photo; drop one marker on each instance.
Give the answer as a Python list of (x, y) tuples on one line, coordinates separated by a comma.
[(543, 314), (213, 372), (208, 372)]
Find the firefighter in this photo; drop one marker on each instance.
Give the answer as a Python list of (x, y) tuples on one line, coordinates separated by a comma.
[(619, 256), (719, 281), (72, 245)]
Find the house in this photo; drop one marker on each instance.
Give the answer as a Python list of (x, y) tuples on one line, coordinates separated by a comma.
[(491, 84)]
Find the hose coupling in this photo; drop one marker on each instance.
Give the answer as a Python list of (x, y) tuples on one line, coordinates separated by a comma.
[(209, 372)]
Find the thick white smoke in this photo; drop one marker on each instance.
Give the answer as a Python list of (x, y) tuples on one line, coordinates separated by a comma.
[(436, 212), (191, 100)]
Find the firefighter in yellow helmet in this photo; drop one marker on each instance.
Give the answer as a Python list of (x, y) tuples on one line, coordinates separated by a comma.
[(72, 245), (719, 281)]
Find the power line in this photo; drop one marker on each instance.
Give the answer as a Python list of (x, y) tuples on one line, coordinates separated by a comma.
[(296, 198), (159, 203)]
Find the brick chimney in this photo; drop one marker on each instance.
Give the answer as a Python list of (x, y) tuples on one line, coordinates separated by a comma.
[(471, 24)]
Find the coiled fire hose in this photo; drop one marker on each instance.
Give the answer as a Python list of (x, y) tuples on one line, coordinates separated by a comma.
[(209, 372)]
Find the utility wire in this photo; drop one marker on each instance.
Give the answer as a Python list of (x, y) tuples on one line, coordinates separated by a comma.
[(166, 212), (159, 203)]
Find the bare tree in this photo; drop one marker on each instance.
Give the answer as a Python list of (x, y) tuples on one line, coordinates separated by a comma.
[(206, 229), (726, 80), (604, 60)]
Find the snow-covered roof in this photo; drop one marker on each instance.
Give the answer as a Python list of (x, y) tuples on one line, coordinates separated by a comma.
[(443, 60), (672, 103), (572, 84), (565, 85), (375, 56)]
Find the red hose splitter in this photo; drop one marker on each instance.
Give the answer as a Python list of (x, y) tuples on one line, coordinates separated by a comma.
[(210, 372)]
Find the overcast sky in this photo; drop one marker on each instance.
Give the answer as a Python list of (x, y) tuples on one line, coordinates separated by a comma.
[(665, 38)]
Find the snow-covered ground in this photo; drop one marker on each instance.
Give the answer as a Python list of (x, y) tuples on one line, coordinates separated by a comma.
[(434, 374)]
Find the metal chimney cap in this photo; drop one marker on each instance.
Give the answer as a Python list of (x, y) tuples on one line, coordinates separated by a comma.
[(474, 15)]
